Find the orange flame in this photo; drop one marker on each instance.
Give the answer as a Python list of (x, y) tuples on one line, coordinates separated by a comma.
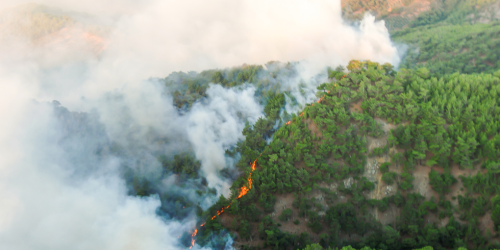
[(192, 238), (244, 190)]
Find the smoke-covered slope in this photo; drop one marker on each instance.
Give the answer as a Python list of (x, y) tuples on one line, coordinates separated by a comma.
[(50, 28), (120, 162)]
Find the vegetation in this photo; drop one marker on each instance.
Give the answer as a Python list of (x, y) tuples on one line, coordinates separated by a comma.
[(319, 247), (190, 87), (455, 36), (446, 49), (445, 124)]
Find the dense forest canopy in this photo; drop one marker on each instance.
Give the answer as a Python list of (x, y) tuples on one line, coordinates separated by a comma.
[(373, 129), (386, 159)]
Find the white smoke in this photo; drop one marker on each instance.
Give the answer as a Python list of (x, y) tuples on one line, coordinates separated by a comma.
[(215, 127), (47, 203)]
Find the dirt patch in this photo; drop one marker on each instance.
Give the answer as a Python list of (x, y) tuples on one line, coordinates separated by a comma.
[(313, 128), (487, 14), (356, 107), (373, 174), (411, 11), (421, 182), (284, 202), (486, 224), (394, 4)]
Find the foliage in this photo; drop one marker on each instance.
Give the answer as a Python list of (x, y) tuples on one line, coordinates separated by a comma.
[(449, 48), (440, 123)]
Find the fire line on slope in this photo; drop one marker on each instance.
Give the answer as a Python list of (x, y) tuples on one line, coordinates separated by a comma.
[(243, 190)]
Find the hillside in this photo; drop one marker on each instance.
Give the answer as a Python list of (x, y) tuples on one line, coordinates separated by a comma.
[(446, 49), (44, 26), (396, 13), (399, 14), (444, 36), (461, 40), (385, 159)]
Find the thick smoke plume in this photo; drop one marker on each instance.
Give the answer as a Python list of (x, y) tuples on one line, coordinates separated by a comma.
[(62, 189)]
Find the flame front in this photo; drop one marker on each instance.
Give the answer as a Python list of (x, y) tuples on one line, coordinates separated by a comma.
[(243, 191), (246, 188), (192, 237)]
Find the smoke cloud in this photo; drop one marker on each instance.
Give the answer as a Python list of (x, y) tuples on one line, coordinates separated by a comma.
[(62, 189)]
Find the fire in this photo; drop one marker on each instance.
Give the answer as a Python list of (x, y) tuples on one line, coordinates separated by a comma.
[(244, 190), (192, 238)]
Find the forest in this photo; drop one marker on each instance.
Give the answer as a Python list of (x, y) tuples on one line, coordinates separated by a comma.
[(319, 247), (447, 125), (455, 36), (387, 158)]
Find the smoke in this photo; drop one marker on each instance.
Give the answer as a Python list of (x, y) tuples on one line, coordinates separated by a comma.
[(215, 127), (61, 185)]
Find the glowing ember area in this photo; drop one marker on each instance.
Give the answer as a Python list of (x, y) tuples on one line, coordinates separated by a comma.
[(192, 238), (218, 213), (245, 189), (288, 123), (301, 114)]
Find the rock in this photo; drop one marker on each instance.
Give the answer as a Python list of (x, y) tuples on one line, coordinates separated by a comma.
[(348, 182)]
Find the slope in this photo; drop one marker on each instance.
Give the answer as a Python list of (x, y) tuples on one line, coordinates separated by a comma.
[(324, 179), (44, 27)]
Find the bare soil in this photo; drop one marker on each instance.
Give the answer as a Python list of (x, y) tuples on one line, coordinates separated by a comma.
[(356, 107), (313, 128)]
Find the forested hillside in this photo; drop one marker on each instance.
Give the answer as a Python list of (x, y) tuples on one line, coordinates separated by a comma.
[(319, 247), (445, 36), (384, 159), (453, 36), (268, 80), (42, 25)]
